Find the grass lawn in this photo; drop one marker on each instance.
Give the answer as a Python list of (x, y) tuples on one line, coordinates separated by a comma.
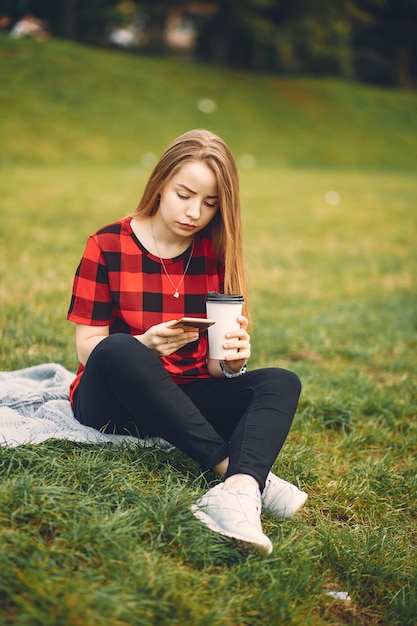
[(103, 535)]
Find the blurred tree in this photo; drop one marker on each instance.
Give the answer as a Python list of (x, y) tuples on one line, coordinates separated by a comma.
[(312, 46), (385, 45), (297, 36), (83, 21), (238, 33), (155, 14), (373, 40), (73, 19)]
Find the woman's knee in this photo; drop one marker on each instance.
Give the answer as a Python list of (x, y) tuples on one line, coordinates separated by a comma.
[(278, 375), (112, 346), (292, 381), (120, 351), (280, 378), (125, 363)]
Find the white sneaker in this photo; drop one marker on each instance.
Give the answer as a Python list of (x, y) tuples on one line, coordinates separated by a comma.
[(234, 513), (281, 498)]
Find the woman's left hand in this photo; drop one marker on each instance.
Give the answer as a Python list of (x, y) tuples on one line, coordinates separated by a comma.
[(240, 340)]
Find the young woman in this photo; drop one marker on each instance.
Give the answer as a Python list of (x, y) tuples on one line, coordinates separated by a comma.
[(139, 373)]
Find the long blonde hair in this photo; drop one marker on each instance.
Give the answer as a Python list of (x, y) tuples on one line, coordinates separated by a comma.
[(225, 229)]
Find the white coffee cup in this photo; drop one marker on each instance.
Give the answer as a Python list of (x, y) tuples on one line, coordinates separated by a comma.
[(224, 309)]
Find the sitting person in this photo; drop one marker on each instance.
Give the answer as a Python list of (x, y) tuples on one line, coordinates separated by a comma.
[(142, 373)]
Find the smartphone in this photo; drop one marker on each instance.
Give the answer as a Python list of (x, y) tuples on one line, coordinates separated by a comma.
[(195, 322)]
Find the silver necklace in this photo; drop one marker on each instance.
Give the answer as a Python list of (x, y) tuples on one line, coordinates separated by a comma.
[(176, 293)]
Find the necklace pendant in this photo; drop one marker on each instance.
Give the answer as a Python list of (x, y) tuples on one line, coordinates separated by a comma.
[(176, 293)]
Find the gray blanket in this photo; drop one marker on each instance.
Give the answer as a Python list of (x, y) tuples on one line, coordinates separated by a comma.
[(34, 407)]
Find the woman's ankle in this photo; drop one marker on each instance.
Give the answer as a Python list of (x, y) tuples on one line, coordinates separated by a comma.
[(240, 481)]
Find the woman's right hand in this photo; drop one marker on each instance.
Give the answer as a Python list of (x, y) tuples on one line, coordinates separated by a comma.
[(164, 340)]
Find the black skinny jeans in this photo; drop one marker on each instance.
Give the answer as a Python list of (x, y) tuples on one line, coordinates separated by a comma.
[(126, 389)]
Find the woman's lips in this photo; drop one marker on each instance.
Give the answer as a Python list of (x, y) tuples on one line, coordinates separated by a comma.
[(188, 227)]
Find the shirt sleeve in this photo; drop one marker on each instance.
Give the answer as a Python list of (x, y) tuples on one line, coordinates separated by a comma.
[(91, 302)]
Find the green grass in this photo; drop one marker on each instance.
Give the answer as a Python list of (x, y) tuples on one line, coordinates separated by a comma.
[(99, 535), (64, 102)]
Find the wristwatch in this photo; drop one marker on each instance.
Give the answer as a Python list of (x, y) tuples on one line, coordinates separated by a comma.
[(228, 374)]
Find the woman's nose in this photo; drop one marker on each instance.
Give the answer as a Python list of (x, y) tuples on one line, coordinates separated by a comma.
[(193, 209)]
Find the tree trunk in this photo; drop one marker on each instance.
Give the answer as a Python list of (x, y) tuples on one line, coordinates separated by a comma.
[(70, 19), (402, 64)]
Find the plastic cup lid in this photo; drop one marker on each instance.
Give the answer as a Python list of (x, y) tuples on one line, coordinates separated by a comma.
[(227, 298)]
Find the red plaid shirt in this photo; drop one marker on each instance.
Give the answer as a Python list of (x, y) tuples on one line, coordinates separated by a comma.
[(120, 284)]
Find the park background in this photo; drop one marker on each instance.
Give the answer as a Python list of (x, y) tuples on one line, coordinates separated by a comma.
[(327, 151)]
